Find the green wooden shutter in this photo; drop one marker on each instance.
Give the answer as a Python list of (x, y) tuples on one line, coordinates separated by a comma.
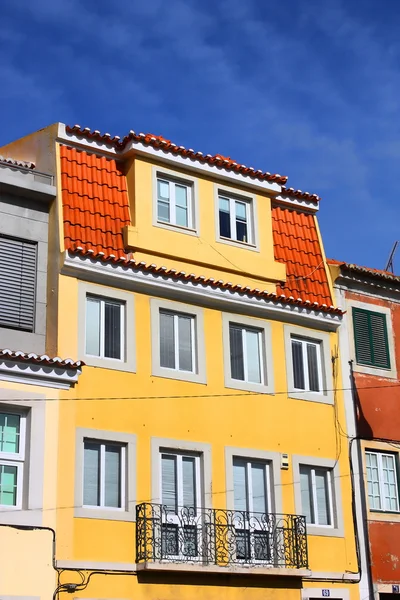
[(370, 338)]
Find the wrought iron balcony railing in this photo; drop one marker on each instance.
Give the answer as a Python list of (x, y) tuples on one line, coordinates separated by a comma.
[(207, 536)]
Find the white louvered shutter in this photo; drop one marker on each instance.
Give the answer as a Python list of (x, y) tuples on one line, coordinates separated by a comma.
[(17, 283)]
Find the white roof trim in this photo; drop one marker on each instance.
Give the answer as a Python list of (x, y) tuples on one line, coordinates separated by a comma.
[(41, 375), (158, 284), (140, 148), (296, 202)]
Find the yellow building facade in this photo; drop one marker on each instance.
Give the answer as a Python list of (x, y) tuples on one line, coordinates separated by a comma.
[(203, 451)]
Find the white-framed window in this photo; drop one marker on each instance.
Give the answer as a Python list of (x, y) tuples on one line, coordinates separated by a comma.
[(104, 469), (12, 458), (180, 480), (235, 218), (252, 502), (247, 356), (307, 364), (177, 341), (181, 527), (316, 495), (105, 475), (246, 350), (174, 202), (105, 327), (383, 490)]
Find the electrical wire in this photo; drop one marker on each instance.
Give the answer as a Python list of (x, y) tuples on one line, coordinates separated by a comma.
[(195, 396)]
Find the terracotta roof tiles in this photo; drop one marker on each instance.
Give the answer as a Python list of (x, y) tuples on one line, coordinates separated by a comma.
[(375, 273), (16, 163), (296, 244), (96, 208), (95, 201)]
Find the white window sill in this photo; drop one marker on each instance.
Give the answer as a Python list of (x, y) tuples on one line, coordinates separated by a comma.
[(179, 375), (324, 530), (14, 516), (110, 363), (177, 228), (311, 396), (244, 245)]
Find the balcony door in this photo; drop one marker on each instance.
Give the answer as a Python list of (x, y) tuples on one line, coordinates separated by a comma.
[(181, 504), (252, 506)]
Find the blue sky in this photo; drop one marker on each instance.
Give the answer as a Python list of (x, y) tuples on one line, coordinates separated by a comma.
[(308, 89)]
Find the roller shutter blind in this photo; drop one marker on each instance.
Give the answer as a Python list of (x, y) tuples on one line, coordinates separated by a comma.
[(17, 283), (370, 338)]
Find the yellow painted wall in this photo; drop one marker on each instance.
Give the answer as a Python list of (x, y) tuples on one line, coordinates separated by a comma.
[(266, 422), (200, 254)]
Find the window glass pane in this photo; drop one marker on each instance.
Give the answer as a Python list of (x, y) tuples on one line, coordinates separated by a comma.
[(306, 498), (91, 474), (224, 218), (321, 484), (240, 208), (240, 485), (185, 343), (313, 377), (374, 495), (298, 365), (112, 330), (9, 433), (163, 190), (167, 340), (163, 211), (189, 481), (8, 485), (181, 196), (168, 482), (112, 476), (241, 222), (253, 356), (236, 352), (181, 216), (258, 487), (93, 326), (389, 482)]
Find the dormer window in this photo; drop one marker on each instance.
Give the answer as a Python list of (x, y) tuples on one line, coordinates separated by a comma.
[(235, 218), (174, 202)]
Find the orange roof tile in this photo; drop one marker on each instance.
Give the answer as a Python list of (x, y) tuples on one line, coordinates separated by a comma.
[(95, 201), (96, 208), (296, 244)]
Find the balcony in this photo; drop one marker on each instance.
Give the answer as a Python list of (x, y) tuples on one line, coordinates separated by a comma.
[(217, 540)]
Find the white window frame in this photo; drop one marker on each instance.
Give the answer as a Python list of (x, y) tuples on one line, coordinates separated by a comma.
[(103, 444), (319, 337), (128, 333), (178, 456), (191, 184), (16, 459), (233, 195), (328, 472), (103, 300), (379, 454), (176, 316), (127, 511), (337, 527), (317, 344), (198, 346), (265, 348)]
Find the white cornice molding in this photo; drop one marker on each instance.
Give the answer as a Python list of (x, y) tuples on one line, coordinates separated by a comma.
[(292, 201), (156, 284), (45, 376)]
